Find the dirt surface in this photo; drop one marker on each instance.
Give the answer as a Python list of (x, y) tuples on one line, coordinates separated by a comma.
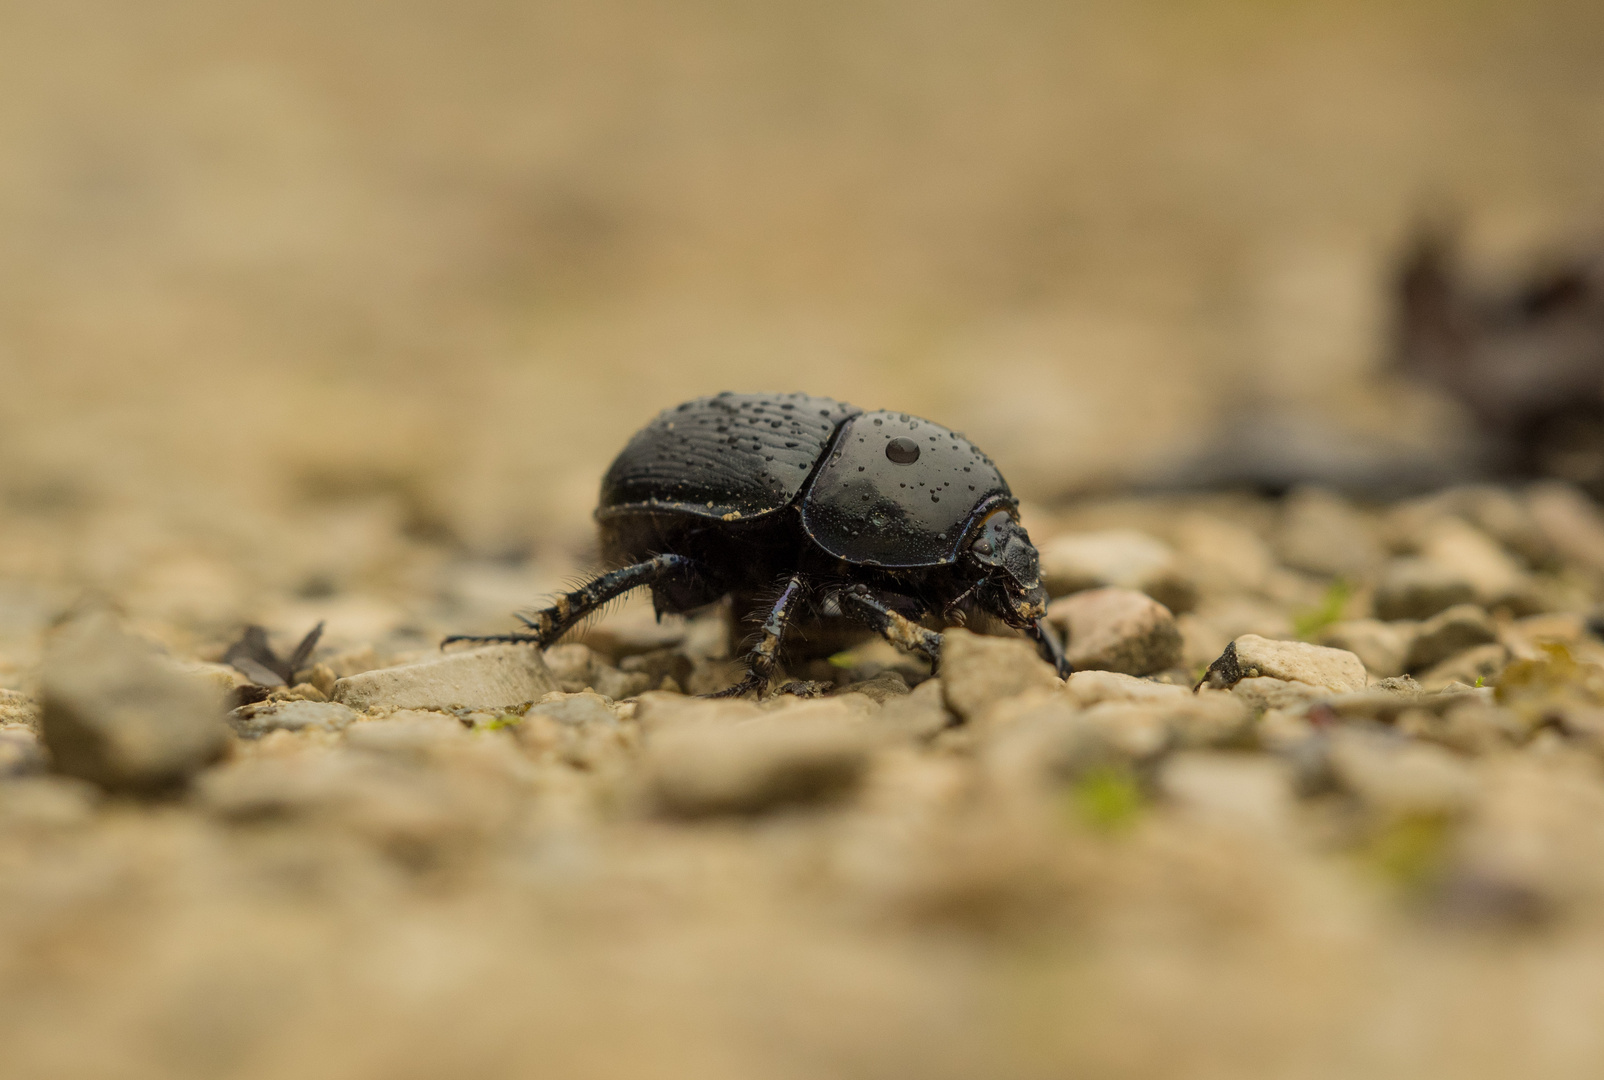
[(336, 312), (489, 866)]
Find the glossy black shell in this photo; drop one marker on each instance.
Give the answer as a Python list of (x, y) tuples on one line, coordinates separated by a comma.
[(732, 456), (867, 508), (736, 457)]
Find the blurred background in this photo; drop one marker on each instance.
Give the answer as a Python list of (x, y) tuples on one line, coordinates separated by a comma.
[(338, 310), (261, 259)]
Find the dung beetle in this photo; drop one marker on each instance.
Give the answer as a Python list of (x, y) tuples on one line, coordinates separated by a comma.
[(805, 509)]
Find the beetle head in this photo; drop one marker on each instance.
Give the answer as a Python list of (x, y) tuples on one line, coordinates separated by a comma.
[(1011, 570)]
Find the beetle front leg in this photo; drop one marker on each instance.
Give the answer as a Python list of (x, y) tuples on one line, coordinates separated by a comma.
[(567, 609), (763, 659), (859, 602), (1047, 644)]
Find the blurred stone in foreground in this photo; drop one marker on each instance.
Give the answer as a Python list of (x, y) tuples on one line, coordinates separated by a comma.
[(122, 715)]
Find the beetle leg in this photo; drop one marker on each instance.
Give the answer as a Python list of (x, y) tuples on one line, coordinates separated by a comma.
[(1051, 650), (763, 659), (550, 623), (954, 611), (859, 603)]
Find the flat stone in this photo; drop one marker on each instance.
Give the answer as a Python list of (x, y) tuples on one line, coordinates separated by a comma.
[(1472, 728), (1399, 776), (1231, 790), (47, 803), (499, 676), (1457, 564), (410, 735), (20, 752), (1252, 656), (254, 721), (1263, 693), (658, 710), (118, 713), (1137, 732), (1571, 522), (576, 668), (1086, 688), (1051, 740), (1224, 556), (1525, 637), (1480, 664), (1382, 647), (782, 758), (1125, 558), (883, 687), (977, 672), (1416, 588), (1114, 629), (1321, 533), (1210, 719), (575, 710), (1375, 703), (919, 714), (1448, 633)]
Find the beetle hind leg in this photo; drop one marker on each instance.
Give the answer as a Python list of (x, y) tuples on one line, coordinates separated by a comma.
[(763, 659), (567, 609)]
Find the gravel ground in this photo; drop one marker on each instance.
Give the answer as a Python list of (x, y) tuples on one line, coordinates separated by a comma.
[(313, 312), (1367, 844)]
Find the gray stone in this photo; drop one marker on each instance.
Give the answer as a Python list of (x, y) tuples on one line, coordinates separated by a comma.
[(1113, 629), (978, 672), (659, 710), (1471, 667), (1321, 533), (1210, 719), (1470, 728), (20, 753), (254, 721), (1052, 740), (1224, 556), (574, 710), (1448, 633), (47, 803), (1395, 775), (1236, 791), (1571, 522), (499, 676), (410, 736), (883, 687), (1457, 564), (1382, 647), (1262, 693), (786, 757), (919, 714), (120, 714), (575, 668), (1086, 688), (1252, 656), (1416, 588), (1376, 703), (1125, 558)]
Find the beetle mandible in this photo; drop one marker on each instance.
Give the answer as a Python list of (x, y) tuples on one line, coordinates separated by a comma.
[(806, 508)]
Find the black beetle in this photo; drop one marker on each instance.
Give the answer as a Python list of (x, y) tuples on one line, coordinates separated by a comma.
[(799, 505)]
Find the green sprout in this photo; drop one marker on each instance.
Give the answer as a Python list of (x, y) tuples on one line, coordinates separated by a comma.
[(1411, 850), (1106, 798), (1311, 621)]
